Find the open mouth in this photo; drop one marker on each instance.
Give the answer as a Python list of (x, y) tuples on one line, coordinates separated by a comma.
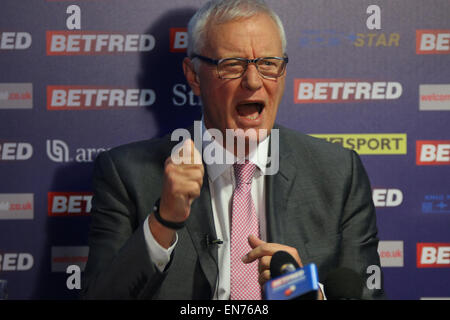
[(250, 110)]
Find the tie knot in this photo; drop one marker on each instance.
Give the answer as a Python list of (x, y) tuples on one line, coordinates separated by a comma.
[(244, 172)]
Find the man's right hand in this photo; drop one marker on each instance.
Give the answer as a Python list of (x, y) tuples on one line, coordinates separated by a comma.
[(183, 180)]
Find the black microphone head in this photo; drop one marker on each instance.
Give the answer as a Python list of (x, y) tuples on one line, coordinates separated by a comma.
[(281, 263), (343, 284)]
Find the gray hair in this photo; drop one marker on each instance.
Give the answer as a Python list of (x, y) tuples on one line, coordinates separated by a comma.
[(223, 11)]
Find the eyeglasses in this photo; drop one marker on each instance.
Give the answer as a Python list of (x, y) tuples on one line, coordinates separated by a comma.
[(233, 68)]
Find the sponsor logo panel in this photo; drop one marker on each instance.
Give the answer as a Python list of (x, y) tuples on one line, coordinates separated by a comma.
[(16, 96), (344, 90), (432, 152), (58, 151), (16, 206), (96, 43), (433, 41), (67, 204), (369, 143), (436, 203), (434, 97), (62, 257), (333, 38), (433, 255), (391, 253)]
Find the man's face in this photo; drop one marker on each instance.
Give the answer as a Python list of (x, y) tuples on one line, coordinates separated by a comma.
[(247, 102)]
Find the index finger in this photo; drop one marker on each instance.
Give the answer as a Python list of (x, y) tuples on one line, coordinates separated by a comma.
[(265, 249)]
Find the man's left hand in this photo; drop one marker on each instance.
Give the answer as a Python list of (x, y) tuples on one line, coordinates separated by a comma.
[(263, 251)]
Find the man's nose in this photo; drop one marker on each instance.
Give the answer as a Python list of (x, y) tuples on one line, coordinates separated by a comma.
[(251, 80)]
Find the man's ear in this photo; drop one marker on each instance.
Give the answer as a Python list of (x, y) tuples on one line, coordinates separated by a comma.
[(191, 76)]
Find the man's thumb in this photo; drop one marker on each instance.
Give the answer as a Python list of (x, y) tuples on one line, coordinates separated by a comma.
[(254, 241)]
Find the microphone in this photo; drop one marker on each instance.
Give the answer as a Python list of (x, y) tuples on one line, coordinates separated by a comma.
[(281, 263), (343, 284), (289, 281), (212, 242)]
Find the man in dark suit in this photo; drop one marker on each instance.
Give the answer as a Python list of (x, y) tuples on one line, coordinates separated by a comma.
[(167, 229)]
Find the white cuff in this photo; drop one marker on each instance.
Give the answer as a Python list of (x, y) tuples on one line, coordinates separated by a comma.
[(159, 255)]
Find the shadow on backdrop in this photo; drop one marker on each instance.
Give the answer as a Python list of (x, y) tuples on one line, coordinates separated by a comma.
[(162, 71)]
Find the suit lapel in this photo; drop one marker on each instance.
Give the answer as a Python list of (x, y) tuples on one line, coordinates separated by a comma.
[(199, 225), (279, 194)]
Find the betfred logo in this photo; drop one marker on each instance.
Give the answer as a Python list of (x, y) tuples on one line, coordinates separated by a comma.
[(178, 39), (432, 152), (432, 41), (68, 204), (96, 43), (15, 40), (344, 90), (16, 95), (97, 98), (16, 261), (387, 197), (433, 255), (15, 151)]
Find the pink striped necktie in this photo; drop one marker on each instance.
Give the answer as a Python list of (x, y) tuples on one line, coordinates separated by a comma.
[(244, 222)]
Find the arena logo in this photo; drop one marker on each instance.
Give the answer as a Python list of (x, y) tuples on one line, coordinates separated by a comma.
[(434, 97), (16, 261), (391, 253), (334, 38), (16, 206), (69, 204), (63, 257), (387, 197), (58, 151), (433, 255), (178, 39), (16, 95), (97, 43), (344, 90), (432, 41), (432, 152), (97, 98), (436, 203), (15, 151), (369, 143), (15, 40)]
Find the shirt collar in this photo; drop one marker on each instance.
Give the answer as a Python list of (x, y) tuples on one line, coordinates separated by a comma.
[(215, 170)]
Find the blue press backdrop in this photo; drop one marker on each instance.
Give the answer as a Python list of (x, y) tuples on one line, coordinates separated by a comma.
[(322, 44)]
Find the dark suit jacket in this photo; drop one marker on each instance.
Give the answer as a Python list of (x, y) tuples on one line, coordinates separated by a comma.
[(319, 202)]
